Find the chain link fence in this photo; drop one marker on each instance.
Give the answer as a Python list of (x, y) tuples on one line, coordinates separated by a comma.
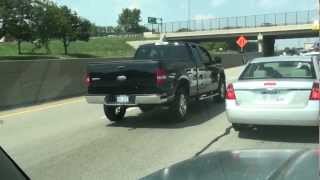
[(263, 20)]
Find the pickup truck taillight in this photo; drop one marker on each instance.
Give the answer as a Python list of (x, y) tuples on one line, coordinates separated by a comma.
[(230, 94), (87, 80), (315, 92), (161, 76)]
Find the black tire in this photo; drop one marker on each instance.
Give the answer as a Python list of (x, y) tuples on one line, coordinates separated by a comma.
[(114, 113), (240, 127), (221, 97), (146, 108), (180, 105)]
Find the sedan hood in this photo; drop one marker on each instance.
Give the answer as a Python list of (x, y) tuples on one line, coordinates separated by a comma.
[(245, 165)]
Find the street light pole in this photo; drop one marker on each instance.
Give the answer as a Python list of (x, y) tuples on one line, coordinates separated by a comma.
[(319, 17), (189, 15)]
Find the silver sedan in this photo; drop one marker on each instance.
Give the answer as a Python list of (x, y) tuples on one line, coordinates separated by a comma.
[(276, 91)]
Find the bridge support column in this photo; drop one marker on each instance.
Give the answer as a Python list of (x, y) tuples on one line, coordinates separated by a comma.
[(260, 47), (260, 43), (268, 47)]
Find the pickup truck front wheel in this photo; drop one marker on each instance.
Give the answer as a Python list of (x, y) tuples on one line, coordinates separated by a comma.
[(180, 106), (114, 113)]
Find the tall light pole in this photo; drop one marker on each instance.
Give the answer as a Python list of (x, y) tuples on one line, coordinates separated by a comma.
[(319, 17), (189, 15)]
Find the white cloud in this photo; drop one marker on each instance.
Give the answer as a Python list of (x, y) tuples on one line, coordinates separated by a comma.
[(202, 16), (183, 5), (75, 9), (267, 4), (134, 4), (217, 3)]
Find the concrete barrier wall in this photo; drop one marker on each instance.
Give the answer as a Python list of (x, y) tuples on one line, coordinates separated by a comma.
[(30, 82)]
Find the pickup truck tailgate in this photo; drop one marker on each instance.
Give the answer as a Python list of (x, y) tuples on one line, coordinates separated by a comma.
[(123, 77)]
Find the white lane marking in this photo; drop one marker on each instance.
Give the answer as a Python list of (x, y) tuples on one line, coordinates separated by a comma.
[(37, 109)]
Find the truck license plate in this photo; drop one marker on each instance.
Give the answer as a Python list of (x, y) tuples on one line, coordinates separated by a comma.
[(122, 99)]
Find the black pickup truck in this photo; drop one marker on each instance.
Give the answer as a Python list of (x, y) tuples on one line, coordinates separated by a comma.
[(160, 74)]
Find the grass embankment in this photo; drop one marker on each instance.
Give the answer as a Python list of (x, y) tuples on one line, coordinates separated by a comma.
[(95, 48)]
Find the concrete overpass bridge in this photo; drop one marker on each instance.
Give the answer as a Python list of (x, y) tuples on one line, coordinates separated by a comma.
[(265, 28)]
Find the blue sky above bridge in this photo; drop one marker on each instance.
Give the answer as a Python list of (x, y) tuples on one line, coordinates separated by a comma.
[(105, 12)]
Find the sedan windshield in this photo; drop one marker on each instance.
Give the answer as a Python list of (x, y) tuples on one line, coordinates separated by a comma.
[(279, 70)]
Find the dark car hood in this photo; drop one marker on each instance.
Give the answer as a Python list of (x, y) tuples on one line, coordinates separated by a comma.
[(245, 165)]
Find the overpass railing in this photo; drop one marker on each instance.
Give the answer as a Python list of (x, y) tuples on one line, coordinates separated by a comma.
[(263, 20)]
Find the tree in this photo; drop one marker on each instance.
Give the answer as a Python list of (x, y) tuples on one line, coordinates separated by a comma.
[(143, 29), (208, 45), (220, 45), (129, 20), (83, 32), (47, 18), (291, 51), (217, 46), (72, 28), (118, 30), (110, 29), (40, 21), (1, 18), (93, 30), (16, 20), (183, 30), (68, 25)]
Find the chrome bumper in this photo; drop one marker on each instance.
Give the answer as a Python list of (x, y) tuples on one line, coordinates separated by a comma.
[(139, 100)]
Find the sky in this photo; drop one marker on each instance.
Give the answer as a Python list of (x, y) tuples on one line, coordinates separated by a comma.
[(105, 12)]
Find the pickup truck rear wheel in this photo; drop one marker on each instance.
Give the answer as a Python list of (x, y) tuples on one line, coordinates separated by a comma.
[(221, 92), (180, 106), (114, 113)]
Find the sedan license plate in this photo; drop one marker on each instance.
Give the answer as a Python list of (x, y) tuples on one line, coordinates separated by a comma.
[(277, 99), (122, 99)]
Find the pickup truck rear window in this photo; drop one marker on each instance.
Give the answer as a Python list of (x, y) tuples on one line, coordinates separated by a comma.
[(163, 52), (279, 70)]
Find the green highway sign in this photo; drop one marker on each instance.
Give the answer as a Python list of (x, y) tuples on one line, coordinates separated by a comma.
[(152, 20)]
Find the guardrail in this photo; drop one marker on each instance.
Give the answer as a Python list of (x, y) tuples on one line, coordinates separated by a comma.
[(263, 20)]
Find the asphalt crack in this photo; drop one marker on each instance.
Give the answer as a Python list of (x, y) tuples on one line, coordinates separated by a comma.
[(227, 132)]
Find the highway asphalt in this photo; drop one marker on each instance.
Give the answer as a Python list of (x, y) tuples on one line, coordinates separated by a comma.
[(71, 139)]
